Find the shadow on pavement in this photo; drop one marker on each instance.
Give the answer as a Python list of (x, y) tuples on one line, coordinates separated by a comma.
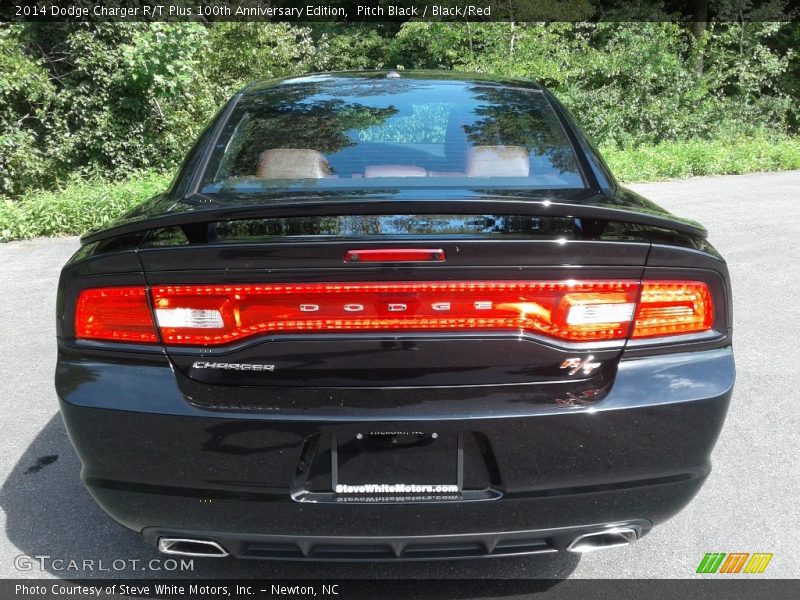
[(49, 512)]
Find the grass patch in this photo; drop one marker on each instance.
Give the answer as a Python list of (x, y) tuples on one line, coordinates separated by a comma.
[(76, 207), (81, 205), (679, 160)]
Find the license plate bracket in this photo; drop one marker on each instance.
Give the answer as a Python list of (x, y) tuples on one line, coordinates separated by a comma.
[(397, 462)]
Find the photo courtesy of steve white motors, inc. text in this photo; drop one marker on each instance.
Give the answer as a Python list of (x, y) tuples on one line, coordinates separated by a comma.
[(194, 590)]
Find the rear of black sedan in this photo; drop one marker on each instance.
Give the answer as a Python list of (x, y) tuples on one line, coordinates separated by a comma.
[(394, 316)]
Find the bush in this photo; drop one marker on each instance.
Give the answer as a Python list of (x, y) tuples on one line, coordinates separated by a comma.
[(628, 83), (78, 206), (26, 99), (78, 99), (692, 158), (103, 97)]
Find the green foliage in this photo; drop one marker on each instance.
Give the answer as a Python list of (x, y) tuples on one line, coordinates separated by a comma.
[(76, 206), (355, 46), (693, 158), (102, 97), (89, 100), (26, 98), (629, 83), (130, 98), (240, 53)]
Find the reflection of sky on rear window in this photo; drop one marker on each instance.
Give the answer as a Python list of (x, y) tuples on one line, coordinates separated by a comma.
[(423, 111), (427, 124)]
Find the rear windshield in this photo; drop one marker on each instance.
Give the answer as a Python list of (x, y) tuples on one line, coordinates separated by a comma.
[(323, 134)]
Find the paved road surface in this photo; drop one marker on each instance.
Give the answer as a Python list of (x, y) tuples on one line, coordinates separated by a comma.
[(750, 502)]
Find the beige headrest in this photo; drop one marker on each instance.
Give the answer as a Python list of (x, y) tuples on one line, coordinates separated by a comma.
[(497, 161), (291, 163)]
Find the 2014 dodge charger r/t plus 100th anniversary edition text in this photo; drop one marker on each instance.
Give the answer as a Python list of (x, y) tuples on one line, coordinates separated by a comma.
[(403, 315)]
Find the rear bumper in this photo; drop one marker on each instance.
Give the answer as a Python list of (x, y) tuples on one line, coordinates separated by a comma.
[(393, 548), (160, 465)]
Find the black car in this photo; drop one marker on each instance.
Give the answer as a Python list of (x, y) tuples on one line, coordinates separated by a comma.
[(394, 315)]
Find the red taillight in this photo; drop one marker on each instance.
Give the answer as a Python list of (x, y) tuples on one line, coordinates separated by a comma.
[(120, 314), (212, 315), (673, 307)]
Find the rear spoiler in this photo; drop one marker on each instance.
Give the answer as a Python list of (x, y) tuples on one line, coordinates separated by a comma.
[(194, 217)]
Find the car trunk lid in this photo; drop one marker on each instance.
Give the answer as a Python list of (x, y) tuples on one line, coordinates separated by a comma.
[(331, 321)]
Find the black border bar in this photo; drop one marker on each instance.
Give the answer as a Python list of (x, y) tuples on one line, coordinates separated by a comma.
[(712, 587), (399, 11)]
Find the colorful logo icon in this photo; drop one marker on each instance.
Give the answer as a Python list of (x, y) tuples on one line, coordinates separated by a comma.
[(736, 562)]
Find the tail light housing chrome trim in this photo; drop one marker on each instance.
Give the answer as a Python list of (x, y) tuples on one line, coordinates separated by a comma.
[(569, 311)]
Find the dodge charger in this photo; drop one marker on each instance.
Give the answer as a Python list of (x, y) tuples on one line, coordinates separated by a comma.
[(392, 316)]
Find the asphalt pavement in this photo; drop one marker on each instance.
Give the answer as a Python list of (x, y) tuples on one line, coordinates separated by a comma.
[(750, 503)]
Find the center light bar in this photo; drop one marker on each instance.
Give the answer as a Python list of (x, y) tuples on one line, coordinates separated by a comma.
[(214, 315), (567, 310)]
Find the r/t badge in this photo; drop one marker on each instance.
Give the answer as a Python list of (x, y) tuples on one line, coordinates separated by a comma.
[(586, 365)]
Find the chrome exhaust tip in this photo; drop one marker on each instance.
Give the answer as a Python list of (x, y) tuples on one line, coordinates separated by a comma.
[(191, 547), (612, 537)]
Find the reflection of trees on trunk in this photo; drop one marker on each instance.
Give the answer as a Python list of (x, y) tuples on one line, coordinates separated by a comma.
[(231, 231), (253, 230), (362, 225), (512, 117)]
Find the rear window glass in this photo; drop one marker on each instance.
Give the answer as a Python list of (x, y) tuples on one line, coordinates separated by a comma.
[(366, 133)]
